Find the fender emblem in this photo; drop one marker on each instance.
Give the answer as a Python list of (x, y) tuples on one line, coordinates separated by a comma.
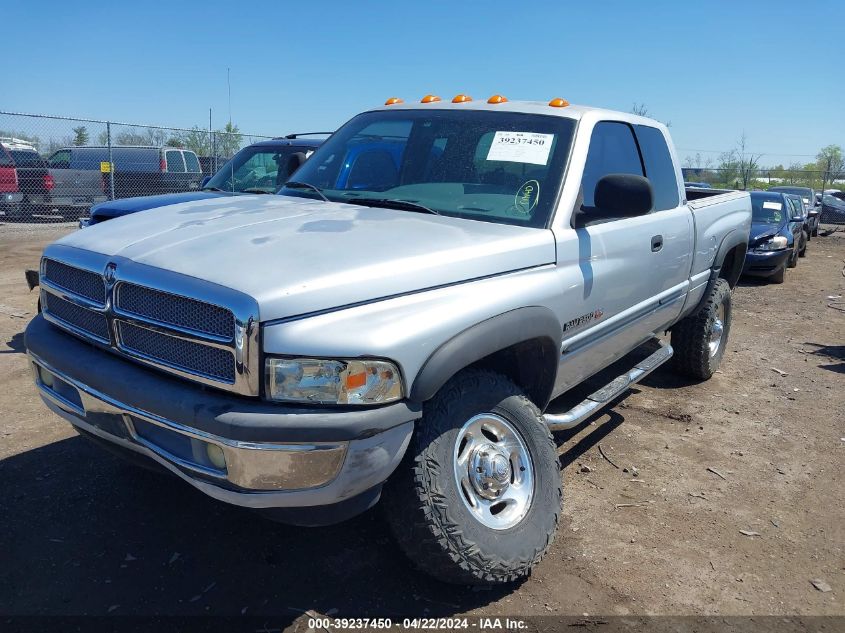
[(582, 320)]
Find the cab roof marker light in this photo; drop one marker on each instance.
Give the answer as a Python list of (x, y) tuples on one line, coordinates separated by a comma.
[(461, 98), (429, 99), (394, 101), (557, 102), (497, 99)]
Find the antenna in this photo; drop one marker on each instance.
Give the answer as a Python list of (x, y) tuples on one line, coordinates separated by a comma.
[(229, 86)]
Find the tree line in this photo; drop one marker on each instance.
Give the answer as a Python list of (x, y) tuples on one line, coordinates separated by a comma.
[(740, 168), (223, 142)]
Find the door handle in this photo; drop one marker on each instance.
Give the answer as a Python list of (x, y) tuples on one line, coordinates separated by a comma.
[(656, 243)]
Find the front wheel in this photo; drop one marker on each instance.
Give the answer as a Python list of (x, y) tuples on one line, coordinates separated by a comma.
[(699, 339), (478, 496)]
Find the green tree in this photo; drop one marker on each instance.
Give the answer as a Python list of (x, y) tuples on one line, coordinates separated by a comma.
[(831, 163), (196, 140), (80, 135), (228, 140)]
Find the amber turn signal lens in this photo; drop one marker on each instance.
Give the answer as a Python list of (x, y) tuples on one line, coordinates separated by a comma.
[(461, 99), (429, 99), (393, 100), (497, 99), (558, 103)]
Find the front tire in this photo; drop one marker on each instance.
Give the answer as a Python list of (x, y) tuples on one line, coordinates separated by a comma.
[(699, 340), (779, 276), (478, 497)]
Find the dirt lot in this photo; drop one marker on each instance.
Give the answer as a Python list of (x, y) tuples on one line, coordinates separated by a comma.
[(753, 449)]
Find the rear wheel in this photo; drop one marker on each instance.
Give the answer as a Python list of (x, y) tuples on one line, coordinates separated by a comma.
[(478, 496), (699, 340)]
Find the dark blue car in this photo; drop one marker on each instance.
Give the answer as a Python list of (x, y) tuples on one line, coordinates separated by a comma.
[(260, 168), (776, 236)]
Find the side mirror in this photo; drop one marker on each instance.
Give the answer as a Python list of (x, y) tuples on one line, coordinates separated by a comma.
[(797, 218), (204, 182), (623, 196)]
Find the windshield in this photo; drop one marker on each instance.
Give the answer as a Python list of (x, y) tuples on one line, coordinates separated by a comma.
[(500, 167), (769, 211), (257, 169)]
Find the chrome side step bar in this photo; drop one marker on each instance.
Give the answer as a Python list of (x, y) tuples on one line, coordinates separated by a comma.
[(613, 389)]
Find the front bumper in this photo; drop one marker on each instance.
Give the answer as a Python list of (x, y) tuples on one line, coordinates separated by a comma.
[(765, 263), (276, 456)]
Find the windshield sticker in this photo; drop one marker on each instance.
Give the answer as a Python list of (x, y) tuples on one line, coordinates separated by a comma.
[(777, 206), (526, 197), (521, 147)]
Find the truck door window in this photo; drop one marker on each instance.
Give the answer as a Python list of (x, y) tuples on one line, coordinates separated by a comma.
[(613, 150), (659, 168)]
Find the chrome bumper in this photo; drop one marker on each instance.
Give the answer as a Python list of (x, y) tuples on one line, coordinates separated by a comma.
[(251, 474)]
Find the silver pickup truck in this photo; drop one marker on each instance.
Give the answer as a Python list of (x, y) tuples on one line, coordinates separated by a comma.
[(399, 331)]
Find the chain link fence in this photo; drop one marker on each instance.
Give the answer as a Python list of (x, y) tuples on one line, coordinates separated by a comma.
[(53, 169), (829, 188)]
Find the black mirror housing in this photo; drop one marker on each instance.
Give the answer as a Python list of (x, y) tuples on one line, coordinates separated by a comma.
[(623, 195)]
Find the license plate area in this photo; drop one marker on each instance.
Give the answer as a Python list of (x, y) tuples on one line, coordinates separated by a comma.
[(59, 389)]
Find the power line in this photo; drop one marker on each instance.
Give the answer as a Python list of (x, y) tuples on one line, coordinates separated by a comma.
[(720, 151)]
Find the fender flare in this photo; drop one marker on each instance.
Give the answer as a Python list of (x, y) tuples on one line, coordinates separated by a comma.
[(733, 239), (483, 339)]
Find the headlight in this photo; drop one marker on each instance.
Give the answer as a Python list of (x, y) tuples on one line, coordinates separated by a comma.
[(777, 243), (332, 381)]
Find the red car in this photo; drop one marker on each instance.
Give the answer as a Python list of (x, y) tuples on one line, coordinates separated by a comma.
[(10, 195)]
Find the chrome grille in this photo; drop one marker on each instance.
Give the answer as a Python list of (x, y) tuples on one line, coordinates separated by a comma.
[(84, 283), (178, 324), (179, 353), (93, 323), (171, 309)]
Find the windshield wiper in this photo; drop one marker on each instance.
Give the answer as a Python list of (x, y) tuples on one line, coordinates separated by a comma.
[(294, 184), (214, 189), (255, 190), (392, 203)]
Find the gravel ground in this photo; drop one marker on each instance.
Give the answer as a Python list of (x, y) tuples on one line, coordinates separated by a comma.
[(728, 498)]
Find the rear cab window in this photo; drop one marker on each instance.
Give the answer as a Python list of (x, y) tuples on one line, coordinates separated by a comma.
[(27, 158), (659, 168)]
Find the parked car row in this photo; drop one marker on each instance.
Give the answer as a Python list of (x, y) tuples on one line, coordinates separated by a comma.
[(782, 226), (28, 184), (74, 178)]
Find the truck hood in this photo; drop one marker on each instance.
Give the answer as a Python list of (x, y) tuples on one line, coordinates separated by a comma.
[(125, 206), (295, 256)]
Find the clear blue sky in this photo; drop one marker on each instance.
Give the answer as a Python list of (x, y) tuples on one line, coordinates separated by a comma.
[(710, 68)]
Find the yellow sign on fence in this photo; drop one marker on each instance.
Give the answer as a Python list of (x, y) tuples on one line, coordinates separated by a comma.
[(105, 167)]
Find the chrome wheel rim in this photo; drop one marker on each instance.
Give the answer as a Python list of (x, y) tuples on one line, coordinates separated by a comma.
[(493, 471), (717, 331)]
